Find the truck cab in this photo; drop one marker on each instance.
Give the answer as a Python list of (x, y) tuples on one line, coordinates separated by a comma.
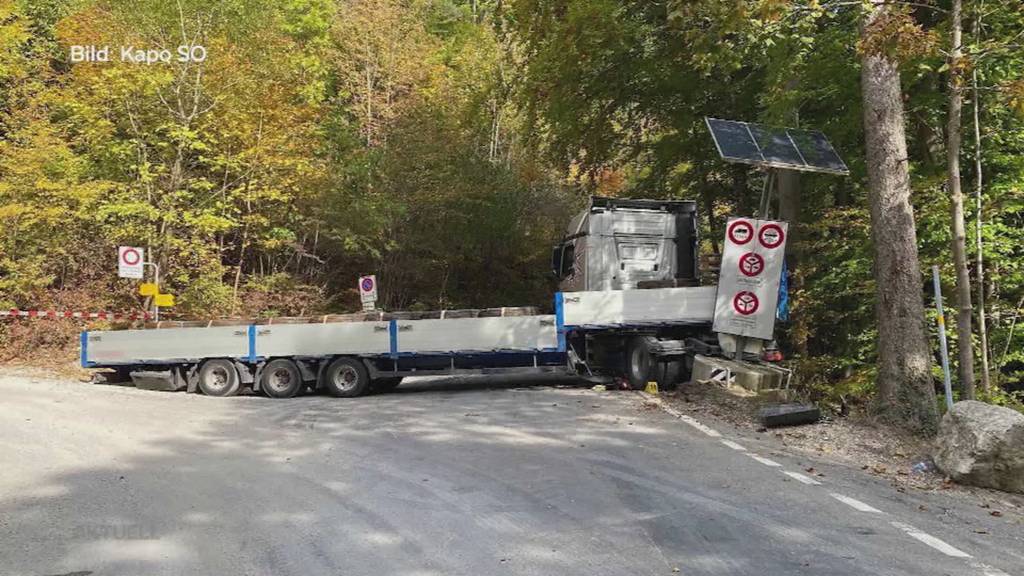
[(622, 244)]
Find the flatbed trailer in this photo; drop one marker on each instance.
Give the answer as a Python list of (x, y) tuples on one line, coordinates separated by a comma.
[(644, 329)]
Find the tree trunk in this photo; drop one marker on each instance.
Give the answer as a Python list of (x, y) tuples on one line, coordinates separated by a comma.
[(906, 395), (979, 263), (965, 348), (789, 211)]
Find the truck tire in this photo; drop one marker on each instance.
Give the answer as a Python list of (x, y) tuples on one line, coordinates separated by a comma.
[(668, 374), (280, 378), (346, 378), (218, 377), (639, 362), (386, 384)]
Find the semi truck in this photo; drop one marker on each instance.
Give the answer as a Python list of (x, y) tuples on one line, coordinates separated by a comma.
[(629, 306)]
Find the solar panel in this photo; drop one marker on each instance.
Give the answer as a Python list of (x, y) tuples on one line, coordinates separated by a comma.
[(803, 150)]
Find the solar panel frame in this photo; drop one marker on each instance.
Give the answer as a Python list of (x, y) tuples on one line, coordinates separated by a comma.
[(824, 157)]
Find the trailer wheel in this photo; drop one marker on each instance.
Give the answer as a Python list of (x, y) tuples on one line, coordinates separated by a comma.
[(280, 379), (386, 384), (639, 362), (346, 378), (218, 377)]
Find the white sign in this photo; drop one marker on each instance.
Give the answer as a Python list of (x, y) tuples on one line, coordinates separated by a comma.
[(129, 261), (368, 291), (748, 284)]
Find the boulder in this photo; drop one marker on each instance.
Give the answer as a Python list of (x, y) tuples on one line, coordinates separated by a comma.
[(982, 445)]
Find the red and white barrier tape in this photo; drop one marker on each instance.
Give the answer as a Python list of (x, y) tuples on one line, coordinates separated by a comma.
[(56, 314)]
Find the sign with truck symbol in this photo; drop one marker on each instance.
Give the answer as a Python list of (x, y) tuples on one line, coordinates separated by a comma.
[(748, 286)]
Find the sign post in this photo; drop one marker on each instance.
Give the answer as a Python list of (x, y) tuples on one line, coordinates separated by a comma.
[(943, 348), (368, 292), (748, 287)]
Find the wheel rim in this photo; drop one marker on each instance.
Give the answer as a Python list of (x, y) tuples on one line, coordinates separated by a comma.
[(217, 378), (346, 378), (280, 380)]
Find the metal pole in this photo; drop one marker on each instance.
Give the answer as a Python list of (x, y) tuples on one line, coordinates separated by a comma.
[(156, 280), (942, 337)]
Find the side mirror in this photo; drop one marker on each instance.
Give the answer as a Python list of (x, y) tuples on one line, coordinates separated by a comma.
[(556, 261)]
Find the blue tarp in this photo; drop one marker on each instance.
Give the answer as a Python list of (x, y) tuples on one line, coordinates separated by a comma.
[(782, 311)]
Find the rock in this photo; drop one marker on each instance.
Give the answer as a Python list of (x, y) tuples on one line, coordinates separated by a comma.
[(982, 445)]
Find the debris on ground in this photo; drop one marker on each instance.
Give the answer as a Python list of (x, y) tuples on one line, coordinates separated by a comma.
[(775, 415)]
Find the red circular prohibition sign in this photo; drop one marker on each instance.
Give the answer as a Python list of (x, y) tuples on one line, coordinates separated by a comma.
[(367, 284), (745, 303), (740, 232), (771, 236), (751, 264), (131, 257)]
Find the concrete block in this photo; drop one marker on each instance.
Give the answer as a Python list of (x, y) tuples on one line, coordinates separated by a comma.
[(730, 372)]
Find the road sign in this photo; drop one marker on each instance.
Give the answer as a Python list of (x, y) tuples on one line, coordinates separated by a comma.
[(129, 261), (771, 236), (164, 300), (751, 264), (148, 289), (368, 291), (748, 286), (745, 303), (741, 231)]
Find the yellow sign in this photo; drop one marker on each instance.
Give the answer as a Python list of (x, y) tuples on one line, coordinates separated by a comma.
[(148, 289), (164, 300)]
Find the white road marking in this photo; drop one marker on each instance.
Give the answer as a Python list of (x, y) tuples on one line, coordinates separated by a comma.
[(923, 537), (764, 460), (673, 412), (734, 445), (699, 426), (855, 504), (931, 541), (801, 478), (987, 570)]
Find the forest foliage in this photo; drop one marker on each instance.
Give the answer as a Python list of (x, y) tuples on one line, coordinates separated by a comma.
[(443, 145)]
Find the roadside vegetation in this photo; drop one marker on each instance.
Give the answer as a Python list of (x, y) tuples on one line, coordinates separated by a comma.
[(443, 145)]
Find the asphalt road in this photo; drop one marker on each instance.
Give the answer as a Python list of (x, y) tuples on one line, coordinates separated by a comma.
[(443, 477)]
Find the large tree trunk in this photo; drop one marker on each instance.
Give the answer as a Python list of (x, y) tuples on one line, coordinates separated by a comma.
[(906, 395), (965, 366)]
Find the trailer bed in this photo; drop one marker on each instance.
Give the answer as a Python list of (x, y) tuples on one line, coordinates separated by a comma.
[(535, 339)]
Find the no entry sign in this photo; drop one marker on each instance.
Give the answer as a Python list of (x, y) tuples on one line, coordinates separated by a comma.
[(129, 261), (748, 286)]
